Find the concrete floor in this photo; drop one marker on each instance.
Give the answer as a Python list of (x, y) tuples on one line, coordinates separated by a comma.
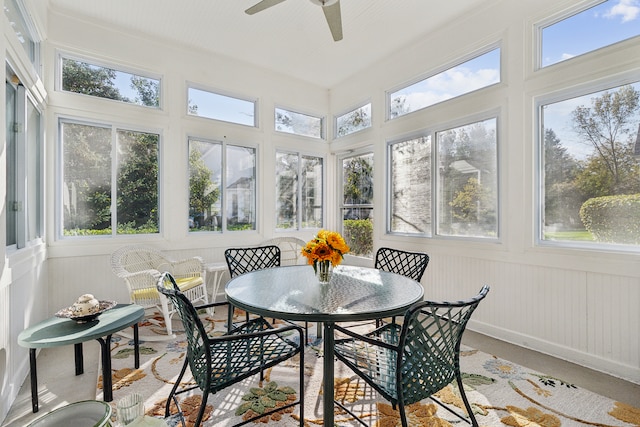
[(58, 385)]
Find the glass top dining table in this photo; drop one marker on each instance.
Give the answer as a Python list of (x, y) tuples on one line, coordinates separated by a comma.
[(353, 293)]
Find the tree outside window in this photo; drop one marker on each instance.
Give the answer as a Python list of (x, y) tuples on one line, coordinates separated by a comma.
[(591, 175), (357, 203)]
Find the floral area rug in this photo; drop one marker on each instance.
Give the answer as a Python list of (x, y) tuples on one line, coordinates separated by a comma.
[(501, 392)]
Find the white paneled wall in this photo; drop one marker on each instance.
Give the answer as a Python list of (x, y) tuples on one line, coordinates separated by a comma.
[(589, 318)]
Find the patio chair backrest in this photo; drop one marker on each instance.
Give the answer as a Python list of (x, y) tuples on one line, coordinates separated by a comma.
[(430, 343), (244, 260), (409, 264)]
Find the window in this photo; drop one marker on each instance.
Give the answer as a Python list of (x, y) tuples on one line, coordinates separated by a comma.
[(353, 121), (471, 75), (357, 203), (108, 181), (590, 168), (95, 80), (604, 24), (203, 103), (24, 156), (222, 186), (468, 180), (410, 186), (299, 191), (298, 123), (24, 30)]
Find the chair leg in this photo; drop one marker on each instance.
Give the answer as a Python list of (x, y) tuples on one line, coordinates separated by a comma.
[(403, 415), (167, 315), (474, 422), (167, 409), (301, 399), (203, 405)]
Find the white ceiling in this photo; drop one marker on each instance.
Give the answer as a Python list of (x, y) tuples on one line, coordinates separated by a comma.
[(291, 38)]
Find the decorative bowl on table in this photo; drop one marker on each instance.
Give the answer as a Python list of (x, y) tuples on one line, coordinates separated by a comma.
[(80, 316)]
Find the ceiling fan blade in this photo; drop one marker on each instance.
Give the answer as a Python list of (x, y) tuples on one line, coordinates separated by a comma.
[(260, 6), (334, 19)]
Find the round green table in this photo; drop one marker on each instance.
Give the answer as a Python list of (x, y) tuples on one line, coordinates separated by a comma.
[(56, 331)]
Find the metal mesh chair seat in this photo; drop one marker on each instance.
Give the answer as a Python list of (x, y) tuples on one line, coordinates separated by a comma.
[(221, 361), (410, 362)]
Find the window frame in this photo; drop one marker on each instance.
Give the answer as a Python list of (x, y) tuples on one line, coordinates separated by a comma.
[(322, 119), (114, 127), (223, 184), (441, 69), (299, 195), (364, 104), (567, 93), (389, 183), (226, 94), (22, 182), (93, 61)]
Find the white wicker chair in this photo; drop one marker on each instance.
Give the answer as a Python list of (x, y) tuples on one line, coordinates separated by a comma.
[(290, 248), (140, 267)]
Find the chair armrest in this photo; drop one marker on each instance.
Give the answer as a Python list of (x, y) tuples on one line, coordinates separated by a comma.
[(367, 338), (266, 332), (211, 304), (141, 279)]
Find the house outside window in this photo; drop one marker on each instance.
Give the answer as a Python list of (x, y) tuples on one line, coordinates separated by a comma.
[(108, 180), (299, 191), (222, 186), (467, 183)]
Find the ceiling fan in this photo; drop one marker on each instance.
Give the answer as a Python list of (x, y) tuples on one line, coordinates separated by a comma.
[(331, 9)]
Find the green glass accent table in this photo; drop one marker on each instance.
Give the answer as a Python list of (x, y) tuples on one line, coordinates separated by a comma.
[(353, 293), (56, 331)]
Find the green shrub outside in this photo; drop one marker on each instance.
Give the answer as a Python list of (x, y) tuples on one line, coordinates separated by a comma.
[(613, 219), (358, 233)]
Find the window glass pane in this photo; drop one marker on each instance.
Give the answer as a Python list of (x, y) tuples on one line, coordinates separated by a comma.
[(298, 123), (205, 186), (86, 179), (220, 107), (240, 190), (102, 82), (34, 174), (602, 25), (353, 121), (410, 186), (591, 175), (467, 180), (357, 203), (312, 191), (137, 202), (287, 165), (19, 24), (11, 197), (477, 73)]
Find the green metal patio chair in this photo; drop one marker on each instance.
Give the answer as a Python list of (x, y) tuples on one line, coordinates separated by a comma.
[(410, 362), (245, 350)]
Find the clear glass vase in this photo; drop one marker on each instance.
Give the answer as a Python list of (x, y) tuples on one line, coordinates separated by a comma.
[(323, 271)]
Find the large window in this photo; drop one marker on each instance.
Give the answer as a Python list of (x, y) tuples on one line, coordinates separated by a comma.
[(357, 203), (590, 168), (473, 74), (410, 186), (204, 103), (299, 191), (606, 23), (222, 186), (24, 181), (468, 180), (86, 78), (108, 180)]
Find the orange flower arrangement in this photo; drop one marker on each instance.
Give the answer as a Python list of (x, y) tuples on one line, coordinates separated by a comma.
[(325, 246)]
